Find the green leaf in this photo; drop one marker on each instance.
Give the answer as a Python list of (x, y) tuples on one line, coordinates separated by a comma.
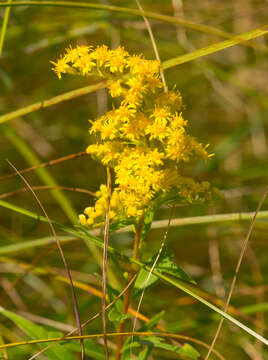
[(144, 354), (154, 320), (115, 313), (148, 219), (56, 352), (116, 316), (129, 344), (157, 342), (189, 351), (154, 341), (143, 280), (255, 308), (166, 265), (114, 226), (92, 349)]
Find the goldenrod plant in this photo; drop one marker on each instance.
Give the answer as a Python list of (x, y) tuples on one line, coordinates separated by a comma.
[(108, 158), (144, 138)]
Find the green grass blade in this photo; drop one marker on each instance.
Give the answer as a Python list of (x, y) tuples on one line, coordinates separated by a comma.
[(214, 48), (129, 11), (166, 65), (33, 243), (53, 101), (209, 219), (57, 352), (188, 289), (4, 26), (43, 173)]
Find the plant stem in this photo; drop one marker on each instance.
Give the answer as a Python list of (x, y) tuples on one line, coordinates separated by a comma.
[(104, 264), (126, 300)]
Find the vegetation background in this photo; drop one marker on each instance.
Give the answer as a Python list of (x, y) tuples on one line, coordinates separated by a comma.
[(225, 97)]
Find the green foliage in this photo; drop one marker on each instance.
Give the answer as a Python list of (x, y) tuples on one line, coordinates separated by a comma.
[(154, 342), (164, 265), (57, 352), (219, 68)]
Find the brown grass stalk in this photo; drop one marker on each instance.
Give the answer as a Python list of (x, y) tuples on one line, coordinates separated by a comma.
[(75, 304)]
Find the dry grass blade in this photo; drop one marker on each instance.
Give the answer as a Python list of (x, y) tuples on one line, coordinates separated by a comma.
[(244, 247), (75, 304), (48, 163), (153, 42), (89, 320), (65, 188)]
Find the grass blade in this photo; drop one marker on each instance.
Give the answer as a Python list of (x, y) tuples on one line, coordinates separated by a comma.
[(188, 289), (43, 173), (165, 18), (4, 26), (214, 48)]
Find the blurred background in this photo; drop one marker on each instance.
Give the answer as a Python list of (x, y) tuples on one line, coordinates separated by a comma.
[(225, 97)]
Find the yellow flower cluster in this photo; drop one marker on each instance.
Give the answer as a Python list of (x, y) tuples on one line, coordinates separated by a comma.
[(94, 215), (143, 139)]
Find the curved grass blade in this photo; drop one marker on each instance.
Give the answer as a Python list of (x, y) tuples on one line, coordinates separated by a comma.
[(165, 18), (188, 289)]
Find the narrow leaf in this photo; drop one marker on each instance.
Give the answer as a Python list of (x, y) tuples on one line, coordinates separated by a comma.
[(57, 352)]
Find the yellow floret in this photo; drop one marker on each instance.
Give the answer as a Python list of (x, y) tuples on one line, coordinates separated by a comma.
[(82, 219)]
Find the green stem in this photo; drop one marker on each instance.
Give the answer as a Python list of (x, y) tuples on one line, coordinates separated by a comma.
[(4, 26), (127, 294), (242, 38), (53, 101)]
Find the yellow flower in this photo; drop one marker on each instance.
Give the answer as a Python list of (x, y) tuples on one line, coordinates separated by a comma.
[(115, 88), (142, 139), (85, 64), (124, 113), (136, 84), (117, 60), (82, 219), (101, 55), (60, 67), (135, 63), (108, 130), (158, 129)]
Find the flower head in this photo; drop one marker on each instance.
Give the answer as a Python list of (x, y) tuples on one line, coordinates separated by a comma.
[(143, 139)]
